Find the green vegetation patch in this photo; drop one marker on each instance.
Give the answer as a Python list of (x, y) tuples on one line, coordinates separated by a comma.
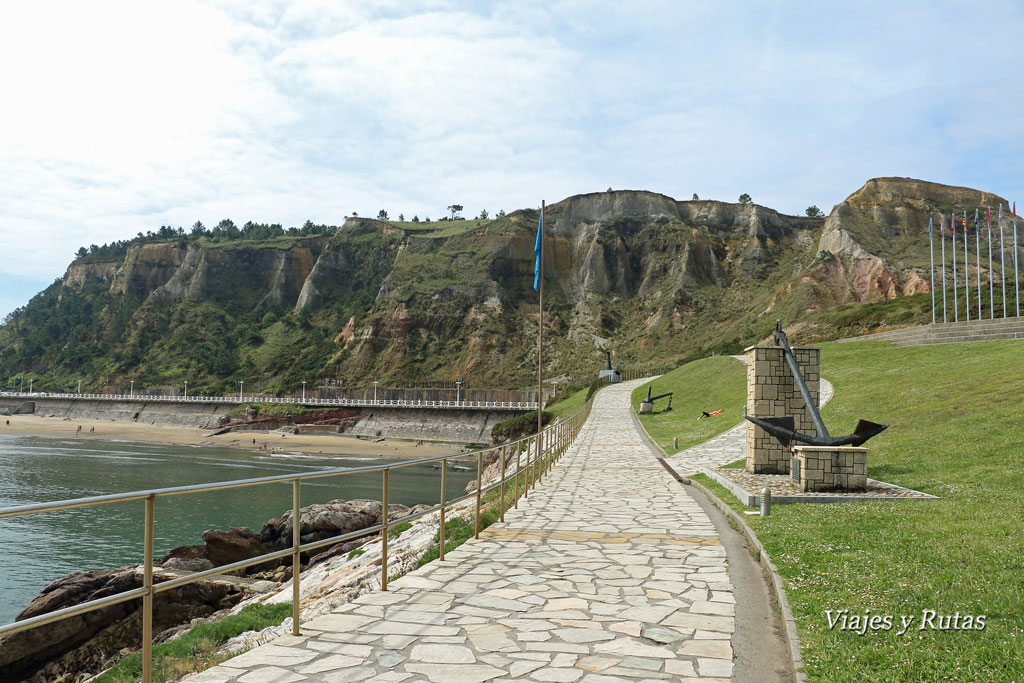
[(709, 384), (955, 414), (570, 405), (456, 532), (195, 651), (398, 529), (518, 427)]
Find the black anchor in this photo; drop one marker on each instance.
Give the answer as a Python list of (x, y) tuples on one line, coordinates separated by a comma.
[(783, 428)]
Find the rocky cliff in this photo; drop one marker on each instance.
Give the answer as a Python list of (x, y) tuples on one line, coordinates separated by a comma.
[(639, 273)]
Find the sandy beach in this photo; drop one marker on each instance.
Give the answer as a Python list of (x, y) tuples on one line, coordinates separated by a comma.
[(273, 441)]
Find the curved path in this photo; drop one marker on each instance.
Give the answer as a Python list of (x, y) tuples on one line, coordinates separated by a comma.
[(608, 572)]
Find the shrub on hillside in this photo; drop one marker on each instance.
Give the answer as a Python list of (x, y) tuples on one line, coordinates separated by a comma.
[(518, 427)]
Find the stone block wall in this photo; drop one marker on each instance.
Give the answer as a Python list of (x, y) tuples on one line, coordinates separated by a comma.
[(771, 392), (831, 468)]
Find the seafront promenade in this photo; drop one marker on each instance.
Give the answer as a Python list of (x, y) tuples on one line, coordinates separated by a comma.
[(609, 571)]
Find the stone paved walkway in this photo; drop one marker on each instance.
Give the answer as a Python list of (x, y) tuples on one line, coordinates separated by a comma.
[(609, 572)]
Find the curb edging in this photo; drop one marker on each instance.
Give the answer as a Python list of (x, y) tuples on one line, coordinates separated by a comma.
[(770, 571)]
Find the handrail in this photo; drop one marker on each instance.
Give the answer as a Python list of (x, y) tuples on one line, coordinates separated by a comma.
[(365, 403), (541, 451)]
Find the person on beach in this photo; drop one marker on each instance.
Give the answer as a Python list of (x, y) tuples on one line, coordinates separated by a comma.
[(79, 430)]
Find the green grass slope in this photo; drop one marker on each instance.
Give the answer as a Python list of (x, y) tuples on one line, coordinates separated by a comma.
[(709, 384), (956, 432)]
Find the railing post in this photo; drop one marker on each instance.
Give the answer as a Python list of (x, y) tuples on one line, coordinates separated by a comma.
[(479, 487), (501, 487), (296, 542), (536, 459), (384, 533), (526, 473), (519, 452), (147, 599), (444, 477)]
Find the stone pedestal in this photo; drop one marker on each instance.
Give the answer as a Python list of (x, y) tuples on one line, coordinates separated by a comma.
[(771, 392), (830, 468)]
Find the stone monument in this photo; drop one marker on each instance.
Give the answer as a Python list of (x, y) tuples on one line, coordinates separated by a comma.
[(782, 407)]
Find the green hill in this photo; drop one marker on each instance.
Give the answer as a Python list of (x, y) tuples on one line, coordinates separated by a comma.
[(649, 278)]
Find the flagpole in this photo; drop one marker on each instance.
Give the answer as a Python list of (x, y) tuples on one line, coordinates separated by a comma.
[(1016, 283), (931, 257), (942, 241), (977, 244), (967, 273), (952, 235), (540, 336), (1002, 259), (991, 282)]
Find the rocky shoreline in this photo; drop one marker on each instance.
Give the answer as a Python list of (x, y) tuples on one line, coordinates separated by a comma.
[(77, 648)]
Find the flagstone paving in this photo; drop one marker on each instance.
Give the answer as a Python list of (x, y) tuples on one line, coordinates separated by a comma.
[(608, 572)]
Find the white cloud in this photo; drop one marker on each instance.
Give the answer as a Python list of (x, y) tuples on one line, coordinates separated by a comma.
[(122, 116)]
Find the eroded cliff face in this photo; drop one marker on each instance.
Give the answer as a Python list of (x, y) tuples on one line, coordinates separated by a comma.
[(638, 272), (874, 244), (79, 274), (178, 270)]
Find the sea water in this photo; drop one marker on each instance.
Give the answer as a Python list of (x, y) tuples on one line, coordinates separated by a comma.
[(37, 549)]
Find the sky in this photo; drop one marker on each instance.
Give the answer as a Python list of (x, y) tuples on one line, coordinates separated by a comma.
[(120, 117)]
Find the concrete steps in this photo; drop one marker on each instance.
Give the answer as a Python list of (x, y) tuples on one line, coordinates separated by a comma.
[(950, 333)]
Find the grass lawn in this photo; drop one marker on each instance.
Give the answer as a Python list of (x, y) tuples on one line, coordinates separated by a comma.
[(570, 405), (716, 383), (196, 650), (956, 416)]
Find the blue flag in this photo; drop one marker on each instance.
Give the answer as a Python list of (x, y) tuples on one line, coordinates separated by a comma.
[(536, 252)]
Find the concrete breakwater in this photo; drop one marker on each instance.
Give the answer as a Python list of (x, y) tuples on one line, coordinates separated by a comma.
[(201, 415), (455, 425)]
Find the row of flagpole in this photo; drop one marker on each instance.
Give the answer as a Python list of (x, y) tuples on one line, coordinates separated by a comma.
[(967, 279)]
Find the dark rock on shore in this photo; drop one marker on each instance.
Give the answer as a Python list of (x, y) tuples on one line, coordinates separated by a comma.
[(89, 642), (318, 522)]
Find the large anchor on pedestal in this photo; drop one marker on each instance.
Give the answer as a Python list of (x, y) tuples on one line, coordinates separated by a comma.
[(783, 428)]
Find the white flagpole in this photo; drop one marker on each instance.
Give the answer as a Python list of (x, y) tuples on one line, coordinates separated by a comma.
[(952, 234), (1002, 265), (931, 257), (1016, 284), (942, 241), (977, 244), (991, 282), (967, 273)]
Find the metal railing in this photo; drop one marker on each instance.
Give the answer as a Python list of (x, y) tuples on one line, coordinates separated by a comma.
[(360, 403), (533, 456)]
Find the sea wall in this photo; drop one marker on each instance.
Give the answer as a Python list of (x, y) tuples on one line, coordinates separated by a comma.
[(453, 426), (457, 426), (201, 415)]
